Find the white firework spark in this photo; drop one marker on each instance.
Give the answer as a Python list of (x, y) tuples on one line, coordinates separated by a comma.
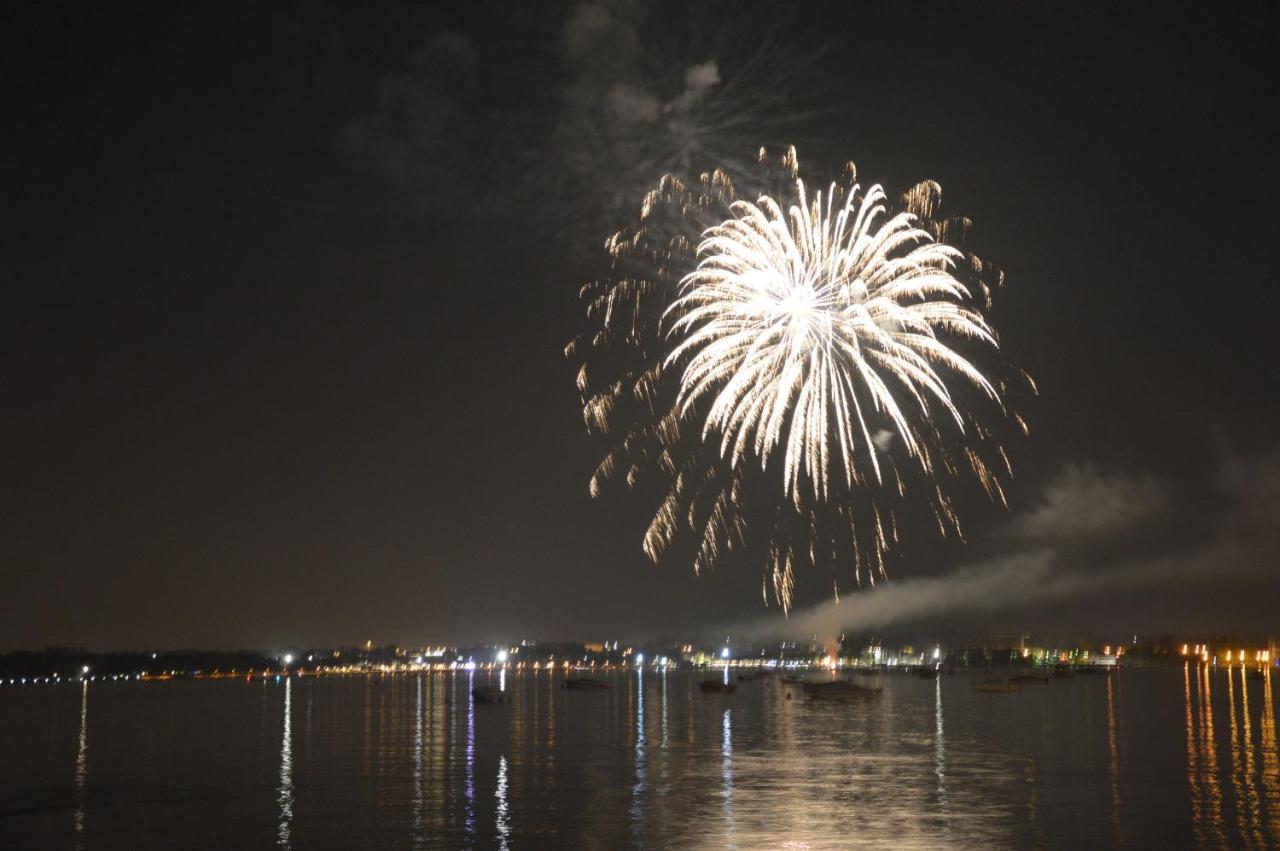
[(794, 322), (837, 331)]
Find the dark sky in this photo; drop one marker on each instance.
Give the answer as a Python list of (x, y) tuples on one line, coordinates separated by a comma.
[(258, 390)]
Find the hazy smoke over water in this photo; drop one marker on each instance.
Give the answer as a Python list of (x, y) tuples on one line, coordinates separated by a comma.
[(1077, 546)]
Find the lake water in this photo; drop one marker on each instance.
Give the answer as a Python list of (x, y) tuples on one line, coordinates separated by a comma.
[(1143, 758)]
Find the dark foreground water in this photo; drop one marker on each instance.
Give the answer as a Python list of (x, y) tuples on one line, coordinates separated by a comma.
[(1145, 758)]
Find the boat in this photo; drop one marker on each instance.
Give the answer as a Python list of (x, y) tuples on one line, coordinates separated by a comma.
[(585, 683), (751, 677), (997, 687), (489, 694), (838, 690), (795, 681), (1062, 673), (717, 687), (1257, 674), (927, 673), (1030, 678)]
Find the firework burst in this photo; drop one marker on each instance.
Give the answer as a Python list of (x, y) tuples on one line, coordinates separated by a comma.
[(809, 359)]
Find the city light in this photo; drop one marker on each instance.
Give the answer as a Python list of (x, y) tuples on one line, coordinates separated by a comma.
[(288, 659), (724, 654), (502, 655), (639, 658)]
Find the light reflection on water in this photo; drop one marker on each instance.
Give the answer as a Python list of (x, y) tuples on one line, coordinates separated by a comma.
[(471, 760), (1113, 764), (940, 757), (1149, 758), (284, 795), (726, 750), (418, 779), (641, 746), (1270, 762), (503, 823), (82, 760), (1207, 760)]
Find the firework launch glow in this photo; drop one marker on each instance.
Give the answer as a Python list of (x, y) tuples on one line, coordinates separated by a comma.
[(825, 328)]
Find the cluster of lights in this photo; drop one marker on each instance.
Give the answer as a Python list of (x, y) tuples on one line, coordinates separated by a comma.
[(1201, 651), (503, 657), (57, 678), (638, 661)]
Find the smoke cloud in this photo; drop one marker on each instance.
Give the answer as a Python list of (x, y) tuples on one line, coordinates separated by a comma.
[(608, 99), (1064, 551)]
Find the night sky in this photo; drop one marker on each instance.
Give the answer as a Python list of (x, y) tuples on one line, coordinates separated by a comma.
[(282, 367)]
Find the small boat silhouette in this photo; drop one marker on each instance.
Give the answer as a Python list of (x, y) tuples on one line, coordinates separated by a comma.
[(585, 683), (997, 687), (838, 690), (717, 687)]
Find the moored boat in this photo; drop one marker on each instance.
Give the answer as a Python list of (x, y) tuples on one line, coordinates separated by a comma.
[(838, 690), (585, 683), (488, 694), (717, 687), (1030, 678), (997, 687)]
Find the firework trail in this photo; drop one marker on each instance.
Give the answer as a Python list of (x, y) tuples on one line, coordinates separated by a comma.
[(808, 358)]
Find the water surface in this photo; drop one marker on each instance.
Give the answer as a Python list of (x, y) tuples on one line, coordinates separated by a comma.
[(1144, 758)]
